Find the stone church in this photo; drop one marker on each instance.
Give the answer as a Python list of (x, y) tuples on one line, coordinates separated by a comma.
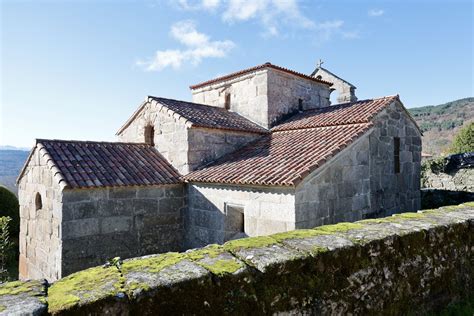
[(258, 151)]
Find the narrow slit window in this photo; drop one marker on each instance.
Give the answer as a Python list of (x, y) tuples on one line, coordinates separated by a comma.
[(396, 154), (227, 101), (300, 105), (38, 202), (150, 135)]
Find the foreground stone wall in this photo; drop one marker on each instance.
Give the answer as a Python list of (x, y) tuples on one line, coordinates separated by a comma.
[(266, 211), (411, 263), (40, 229), (99, 224)]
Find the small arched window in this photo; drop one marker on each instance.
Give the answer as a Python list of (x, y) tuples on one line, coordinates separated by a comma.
[(150, 135), (38, 202), (319, 77)]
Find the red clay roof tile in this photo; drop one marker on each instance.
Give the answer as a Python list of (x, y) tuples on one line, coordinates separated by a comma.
[(282, 158), (86, 164)]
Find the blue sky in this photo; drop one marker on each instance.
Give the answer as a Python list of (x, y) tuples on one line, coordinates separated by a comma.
[(78, 69)]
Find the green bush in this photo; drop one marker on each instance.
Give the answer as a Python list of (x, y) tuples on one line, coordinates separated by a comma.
[(9, 207), (6, 248), (464, 141)]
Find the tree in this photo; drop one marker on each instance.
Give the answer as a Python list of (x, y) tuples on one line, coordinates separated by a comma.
[(464, 141), (9, 207)]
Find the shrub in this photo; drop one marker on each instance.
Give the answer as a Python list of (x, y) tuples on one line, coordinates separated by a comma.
[(9, 207), (6, 247), (464, 141)]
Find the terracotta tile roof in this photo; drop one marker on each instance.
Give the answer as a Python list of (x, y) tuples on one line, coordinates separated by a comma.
[(347, 113), (248, 70), (201, 115), (86, 164), (282, 158)]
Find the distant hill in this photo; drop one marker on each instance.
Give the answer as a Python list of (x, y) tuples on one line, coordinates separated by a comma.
[(440, 123), (11, 162)]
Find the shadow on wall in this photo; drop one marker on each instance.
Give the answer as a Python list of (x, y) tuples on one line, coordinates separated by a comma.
[(206, 224), (434, 198)]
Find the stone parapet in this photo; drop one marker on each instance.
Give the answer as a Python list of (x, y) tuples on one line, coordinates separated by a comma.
[(404, 264)]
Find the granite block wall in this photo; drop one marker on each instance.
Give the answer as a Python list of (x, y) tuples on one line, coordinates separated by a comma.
[(248, 95), (103, 223), (266, 211), (265, 96), (40, 229), (171, 134), (360, 182), (285, 91), (408, 264), (206, 145), (337, 192), (391, 192)]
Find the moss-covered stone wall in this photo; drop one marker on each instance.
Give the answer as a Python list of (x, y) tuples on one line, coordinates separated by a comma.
[(410, 263)]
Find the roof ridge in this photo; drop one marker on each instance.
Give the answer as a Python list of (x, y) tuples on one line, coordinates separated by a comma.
[(320, 127), (39, 140), (254, 68)]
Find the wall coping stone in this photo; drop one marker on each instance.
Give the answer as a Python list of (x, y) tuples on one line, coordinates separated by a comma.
[(302, 271)]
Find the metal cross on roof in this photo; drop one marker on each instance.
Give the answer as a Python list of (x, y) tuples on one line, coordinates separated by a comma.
[(320, 63)]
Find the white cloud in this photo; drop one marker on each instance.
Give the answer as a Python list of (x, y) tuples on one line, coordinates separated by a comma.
[(270, 13), (198, 4), (198, 46), (376, 12), (328, 28)]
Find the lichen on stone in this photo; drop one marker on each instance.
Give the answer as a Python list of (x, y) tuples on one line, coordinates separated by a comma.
[(340, 227), (2, 308), (298, 234), (87, 285), (152, 264), (211, 251), (15, 288), (222, 266), (252, 242)]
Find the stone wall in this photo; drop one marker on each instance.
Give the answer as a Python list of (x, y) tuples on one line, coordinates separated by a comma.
[(360, 182), (407, 264), (248, 95), (285, 91), (206, 145), (458, 180), (337, 192), (171, 134), (99, 224), (266, 211), (345, 91), (40, 230), (264, 96), (391, 193)]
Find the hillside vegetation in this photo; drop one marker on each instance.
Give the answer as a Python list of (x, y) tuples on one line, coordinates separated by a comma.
[(442, 122), (11, 162)]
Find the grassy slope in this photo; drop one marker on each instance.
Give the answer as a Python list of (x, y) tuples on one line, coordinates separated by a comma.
[(441, 122)]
